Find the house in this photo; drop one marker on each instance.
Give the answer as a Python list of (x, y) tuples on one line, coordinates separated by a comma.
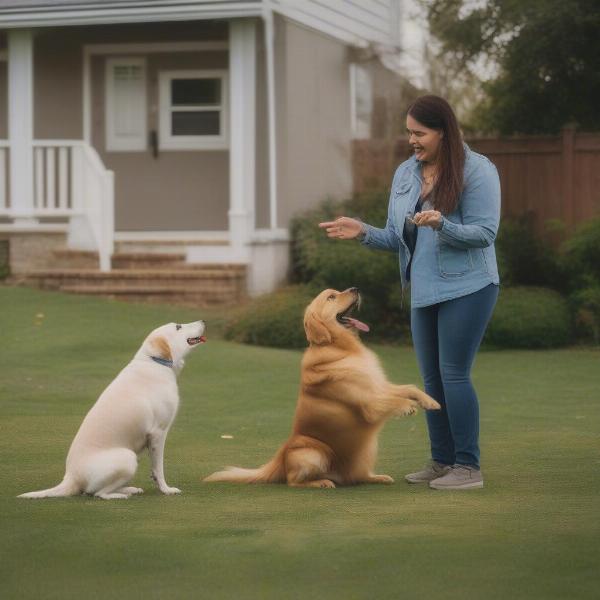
[(186, 133)]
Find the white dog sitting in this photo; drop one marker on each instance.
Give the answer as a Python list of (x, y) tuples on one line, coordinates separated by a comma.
[(134, 412)]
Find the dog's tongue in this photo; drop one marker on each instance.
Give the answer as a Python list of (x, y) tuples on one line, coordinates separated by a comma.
[(358, 324)]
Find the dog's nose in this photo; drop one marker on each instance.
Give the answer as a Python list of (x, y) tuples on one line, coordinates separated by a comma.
[(354, 290)]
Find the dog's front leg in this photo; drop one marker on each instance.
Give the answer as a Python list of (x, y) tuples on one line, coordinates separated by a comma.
[(399, 400), (156, 446)]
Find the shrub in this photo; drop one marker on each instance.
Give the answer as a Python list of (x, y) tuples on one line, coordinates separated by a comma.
[(324, 263), (581, 256), (272, 320), (586, 305), (525, 258), (529, 317)]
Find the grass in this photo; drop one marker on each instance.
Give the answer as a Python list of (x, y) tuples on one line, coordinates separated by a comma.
[(533, 532)]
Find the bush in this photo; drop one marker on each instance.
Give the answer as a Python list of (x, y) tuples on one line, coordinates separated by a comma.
[(586, 307), (529, 317), (273, 320), (524, 258), (581, 256), (325, 263)]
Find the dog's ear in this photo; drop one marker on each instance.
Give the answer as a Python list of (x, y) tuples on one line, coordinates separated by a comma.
[(160, 348), (316, 331)]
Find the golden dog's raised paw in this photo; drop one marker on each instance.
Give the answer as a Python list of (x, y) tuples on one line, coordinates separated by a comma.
[(432, 405), (410, 409)]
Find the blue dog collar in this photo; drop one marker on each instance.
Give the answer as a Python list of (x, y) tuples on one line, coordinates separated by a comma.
[(162, 361)]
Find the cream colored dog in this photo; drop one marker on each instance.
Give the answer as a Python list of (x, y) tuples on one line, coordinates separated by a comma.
[(134, 412)]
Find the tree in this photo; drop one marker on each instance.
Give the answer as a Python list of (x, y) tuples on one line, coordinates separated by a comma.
[(544, 56)]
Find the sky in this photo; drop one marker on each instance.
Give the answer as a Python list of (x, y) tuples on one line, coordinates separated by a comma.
[(414, 37)]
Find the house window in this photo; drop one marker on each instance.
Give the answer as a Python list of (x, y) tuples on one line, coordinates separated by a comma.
[(193, 110), (361, 97), (126, 128)]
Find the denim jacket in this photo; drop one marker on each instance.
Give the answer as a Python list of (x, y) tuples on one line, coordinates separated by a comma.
[(459, 258)]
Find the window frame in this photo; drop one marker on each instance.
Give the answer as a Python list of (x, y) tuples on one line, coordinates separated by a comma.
[(113, 142), (168, 141), (360, 128)]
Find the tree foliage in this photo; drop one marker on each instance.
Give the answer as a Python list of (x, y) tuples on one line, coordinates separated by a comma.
[(546, 55)]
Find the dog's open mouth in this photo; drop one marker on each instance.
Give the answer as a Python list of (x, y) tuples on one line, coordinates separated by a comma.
[(349, 322), (196, 340)]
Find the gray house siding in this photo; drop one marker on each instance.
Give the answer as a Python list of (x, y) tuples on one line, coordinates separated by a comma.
[(313, 112), (57, 85)]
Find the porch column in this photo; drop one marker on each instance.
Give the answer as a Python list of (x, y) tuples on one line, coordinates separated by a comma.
[(20, 125), (242, 128)]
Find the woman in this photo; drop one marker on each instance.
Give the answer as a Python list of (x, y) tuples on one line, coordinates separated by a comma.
[(443, 216)]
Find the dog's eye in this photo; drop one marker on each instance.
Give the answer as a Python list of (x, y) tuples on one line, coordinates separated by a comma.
[(177, 327), (332, 297)]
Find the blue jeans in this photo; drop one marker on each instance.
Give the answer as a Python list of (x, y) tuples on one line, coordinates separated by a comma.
[(446, 337)]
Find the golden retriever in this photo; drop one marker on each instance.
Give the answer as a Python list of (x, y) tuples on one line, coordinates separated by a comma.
[(133, 413), (345, 398)]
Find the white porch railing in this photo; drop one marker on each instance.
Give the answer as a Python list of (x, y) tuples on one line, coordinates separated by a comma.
[(70, 181)]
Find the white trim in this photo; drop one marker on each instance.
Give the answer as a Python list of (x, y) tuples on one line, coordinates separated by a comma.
[(156, 47), (268, 236), (34, 228), (353, 115), (242, 154), (20, 124), (270, 65), (143, 12), (86, 89), (113, 141), (168, 141), (172, 236)]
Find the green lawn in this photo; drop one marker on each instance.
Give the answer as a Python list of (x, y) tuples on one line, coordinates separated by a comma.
[(533, 532)]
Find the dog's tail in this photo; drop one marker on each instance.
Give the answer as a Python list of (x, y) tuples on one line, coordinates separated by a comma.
[(272, 472), (67, 487)]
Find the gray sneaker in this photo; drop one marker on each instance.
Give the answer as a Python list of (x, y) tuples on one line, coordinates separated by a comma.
[(433, 471), (459, 477)]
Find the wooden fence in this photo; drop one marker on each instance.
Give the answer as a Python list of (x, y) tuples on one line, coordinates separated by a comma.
[(549, 177)]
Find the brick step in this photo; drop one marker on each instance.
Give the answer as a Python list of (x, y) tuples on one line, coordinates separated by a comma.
[(200, 297), (147, 260), (150, 275), (207, 285), (64, 258)]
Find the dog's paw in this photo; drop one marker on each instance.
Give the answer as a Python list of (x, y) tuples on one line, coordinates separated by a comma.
[(170, 491), (431, 404), (112, 496), (386, 479), (410, 408), (325, 483), (130, 491)]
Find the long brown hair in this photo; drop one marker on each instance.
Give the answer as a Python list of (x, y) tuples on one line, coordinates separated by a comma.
[(435, 113)]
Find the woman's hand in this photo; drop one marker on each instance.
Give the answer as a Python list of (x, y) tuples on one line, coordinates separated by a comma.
[(428, 218), (343, 228)]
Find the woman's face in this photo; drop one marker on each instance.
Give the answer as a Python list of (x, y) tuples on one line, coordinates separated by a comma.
[(425, 141)]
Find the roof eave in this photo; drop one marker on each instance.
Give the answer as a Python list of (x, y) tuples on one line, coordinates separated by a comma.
[(49, 18)]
